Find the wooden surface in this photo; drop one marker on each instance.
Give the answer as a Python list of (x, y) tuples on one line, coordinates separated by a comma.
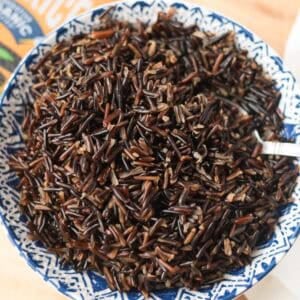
[(270, 19)]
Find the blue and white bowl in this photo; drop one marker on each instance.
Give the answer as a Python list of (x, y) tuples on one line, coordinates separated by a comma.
[(90, 285)]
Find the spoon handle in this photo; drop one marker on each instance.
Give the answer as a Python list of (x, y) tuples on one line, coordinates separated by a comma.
[(277, 148)]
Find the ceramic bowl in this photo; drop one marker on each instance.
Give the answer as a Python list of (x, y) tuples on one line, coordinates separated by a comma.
[(90, 285)]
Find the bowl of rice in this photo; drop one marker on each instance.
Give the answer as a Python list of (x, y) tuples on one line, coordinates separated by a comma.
[(128, 170)]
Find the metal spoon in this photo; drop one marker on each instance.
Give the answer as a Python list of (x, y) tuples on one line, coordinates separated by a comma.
[(270, 148)]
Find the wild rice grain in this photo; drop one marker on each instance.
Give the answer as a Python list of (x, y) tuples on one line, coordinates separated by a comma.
[(136, 165)]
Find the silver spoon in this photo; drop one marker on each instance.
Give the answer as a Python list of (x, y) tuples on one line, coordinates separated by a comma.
[(271, 148)]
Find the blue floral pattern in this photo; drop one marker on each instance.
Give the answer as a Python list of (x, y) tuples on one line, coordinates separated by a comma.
[(89, 285)]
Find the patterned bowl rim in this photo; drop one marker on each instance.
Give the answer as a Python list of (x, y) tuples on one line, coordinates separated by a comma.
[(50, 36)]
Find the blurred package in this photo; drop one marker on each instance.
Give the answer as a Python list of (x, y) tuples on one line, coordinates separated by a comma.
[(24, 22)]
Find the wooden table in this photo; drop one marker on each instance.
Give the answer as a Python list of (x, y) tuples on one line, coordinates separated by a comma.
[(272, 20)]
